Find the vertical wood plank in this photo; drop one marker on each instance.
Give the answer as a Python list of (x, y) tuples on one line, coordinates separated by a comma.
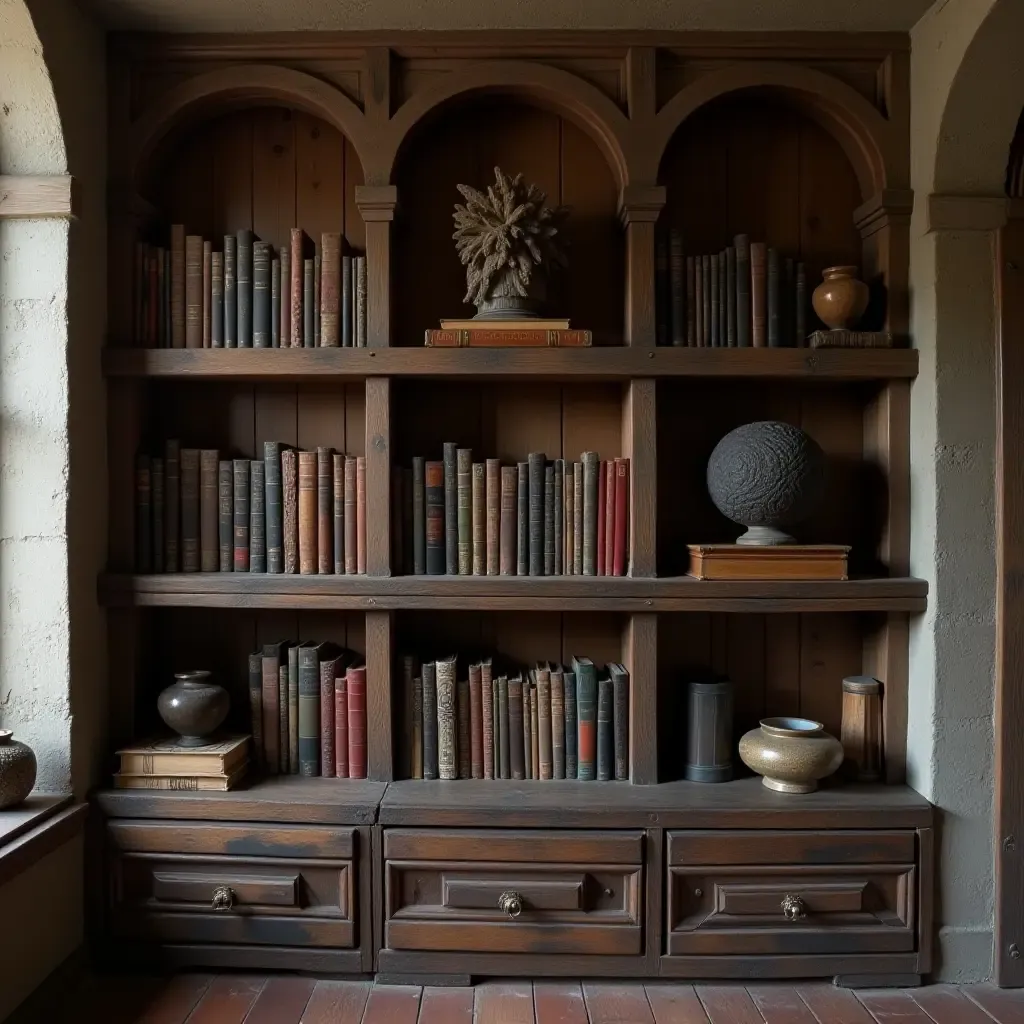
[(377, 208), (227, 1000), (886, 657), (559, 1003), (354, 228), (675, 1004), (171, 1004), (782, 665), (780, 1004), (273, 176), (639, 209), (830, 650), (392, 1004), (948, 1005), (336, 1002), (639, 445), (282, 1001), (887, 452), (926, 936), (234, 146), (504, 1003), (446, 1006), (378, 476), (319, 176), (893, 1008), (745, 661), (729, 1005), (654, 843), (615, 1003), (379, 672), (640, 654), (834, 1005)]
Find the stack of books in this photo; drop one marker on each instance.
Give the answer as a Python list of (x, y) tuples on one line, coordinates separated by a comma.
[(525, 333), (164, 764)]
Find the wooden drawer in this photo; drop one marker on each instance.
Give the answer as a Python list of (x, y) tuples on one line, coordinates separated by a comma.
[(737, 893), (237, 884), (576, 892)]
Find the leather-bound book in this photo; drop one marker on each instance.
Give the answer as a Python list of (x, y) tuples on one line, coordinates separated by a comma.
[(359, 300), (730, 297), (544, 739), (549, 519), (715, 339), (557, 722), (172, 505), (522, 519), (698, 301), (261, 295), (476, 722), (447, 719), (290, 509), (491, 337), (464, 741), (609, 517), (243, 284), (307, 513), (464, 491), (605, 730), (338, 519), (492, 501), (691, 304), (516, 750), (256, 704), (257, 517), (190, 510), (586, 718), (419, 513), (330, 289), (578, 505), (558, 470), (295, 287), (758, 311), (571, 724), (293, 710), (351, 526), (308, 318), (743, 282), (677, 279), (800, 307), (347, 333), (495, 726), (325, 509), (503, 770), (217, 300), (241, 505), (340, 717), (723, 293), (569, 521), (536, 462), (143, 513), (451, 508), (331, 662), (177, 285), (620, 693), (274, 505), (357, 721), (361, 515), (156, 479), (662, 290), (434, 532), (275, 303), (706, 284), (317, 279), (602, 501), (285, 328), (534, 732), (273, 656), (773, 279), (787, 296), (193, 291), (487, 717), (527, 732), (283, 724), (309, 710), (230, 291), (209, 560), (479, 502), (417, 726), (591, 511), (429, 679), (621, 517)]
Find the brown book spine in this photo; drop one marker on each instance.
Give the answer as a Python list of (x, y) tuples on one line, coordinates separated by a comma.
[(557, 724), (569, 489), (609, 517), (493, 504), (207, 293), (298, 269), (285, 329), (283, 720), (464, 464), (463, 748), (360, 515), (516, 728), (190, 510), (330, 289), (698, 300), (340, 725), (706, 270), (177, 285), (487, 713), (157, 513), (324, 509), (578, 507), (543, 692), (328, 670), (447, 720), (621, 531), (307, 513), (800, 307), (357, 722), (716, 320), (758, 295), (691, 303), (351, 561), (417, 726), (602, 498), (339, 512), (481, 337), (308, 307), (534, 733), (290, 509), (527, 732), (476, 723), (318, 273), (479, 498), (193, 291), (209, 548), (507, 529)]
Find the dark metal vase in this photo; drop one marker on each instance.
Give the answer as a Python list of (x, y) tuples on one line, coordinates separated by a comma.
[(709, 731), (194, 707)]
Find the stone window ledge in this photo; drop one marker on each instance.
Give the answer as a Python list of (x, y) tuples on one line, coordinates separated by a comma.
[(35, 828)]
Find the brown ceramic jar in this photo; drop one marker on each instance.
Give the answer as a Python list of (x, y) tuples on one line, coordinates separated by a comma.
[(194, 706), (841, 298), (791, 753)]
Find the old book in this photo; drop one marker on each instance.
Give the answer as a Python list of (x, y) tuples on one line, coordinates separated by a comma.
[(773, 298), (434, 531), (340, 720), (351, 526), (568, 529), (217, 300), (787, 298), (707, 279), (677, 282), (602, 520), (182, 783), (403, 741), (347, 333), (256, 703), (621, 517), (609, 517), (516, 749), (274, 505), (275, 303), (330, 289), (586, 718), (257, 517), (841, 338), (243, 285), (419, 513), (308, 318), (770, 562), (293, 709), (479, 503), (359, 300), (487, 337), (338, 511), (143, 513), (544, 740), (447, 719), (285, 328), (317, 278), (730, 297), (492, 502), (527, 731), (241, 514), (536, 462), (167, 757), (605, 730), (534, 732), (557, 721), (503, 770), (591, 512), (398, 499), (711, 268), (193, 291), (361, 515), (549, 519), (290, 509), (662, 290), (209, 560), (283, 723), (230, 292), (476, 722), (571, 724), (417, 726), (309, 709), (177, 285), (743, 283), (522, 519), (172, 504), (723, 289), (190, 510), (451, 508), (261, 332), (558, 516), (274, 655), (698, 301), (297, 269), (487, 717), (464, 741), (331, 662), (620, 688), (464, 490), (534, 323), (800, 306), (325, 509), (691, 311), (156, 480), (429, 680), (758, 308), (357, 751), (307, 513), (577, 511)]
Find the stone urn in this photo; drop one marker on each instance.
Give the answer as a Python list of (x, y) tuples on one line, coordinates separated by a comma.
[(766, 476), (791, 754), (194, 707), (17, 770), (841, 298)]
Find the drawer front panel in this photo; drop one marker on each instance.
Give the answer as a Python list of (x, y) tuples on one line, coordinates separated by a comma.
[(305, 841), (797, 847)]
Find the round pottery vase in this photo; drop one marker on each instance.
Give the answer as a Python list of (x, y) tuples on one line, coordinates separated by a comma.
[(791, 754), (841, 298), (194, 707), (17, 770)]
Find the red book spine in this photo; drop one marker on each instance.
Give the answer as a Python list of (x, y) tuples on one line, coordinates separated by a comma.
[(357, 722), (586, 732), (360, 515), (327, 672), (297, 269), (609, 516), (341, 727), (621, 515), (602, 485)]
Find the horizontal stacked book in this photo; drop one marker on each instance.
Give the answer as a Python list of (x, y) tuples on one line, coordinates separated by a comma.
[(165, 764), (290, 512), (747, 295), (533, 333), (552, 722), (540, 517), (308, 704), (244, 295)]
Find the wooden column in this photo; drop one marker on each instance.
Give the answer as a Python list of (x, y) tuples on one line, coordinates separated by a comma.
[(639, 209), (640, 446), (887, 445), (886, 657), (379, 647), (378, 476), (640, 656), (884, 225), (377, 205)]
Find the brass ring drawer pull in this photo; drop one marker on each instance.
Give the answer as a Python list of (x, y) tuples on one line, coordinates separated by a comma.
[(794, 908), (223, 897), (510, 903)]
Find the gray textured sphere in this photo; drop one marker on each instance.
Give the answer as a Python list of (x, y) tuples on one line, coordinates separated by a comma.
[(766, 475)]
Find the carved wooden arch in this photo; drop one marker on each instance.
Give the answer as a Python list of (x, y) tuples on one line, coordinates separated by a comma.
[(234, 87), (576, 99), (861, 130)]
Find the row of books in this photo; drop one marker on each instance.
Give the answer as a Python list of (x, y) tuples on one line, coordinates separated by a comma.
[(165, 764), (308, 704), (188, 296), (746, 295), (548, 723), (291, 511), (536, 518)]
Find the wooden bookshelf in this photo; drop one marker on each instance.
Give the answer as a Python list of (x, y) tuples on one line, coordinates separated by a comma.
[(369, 136)]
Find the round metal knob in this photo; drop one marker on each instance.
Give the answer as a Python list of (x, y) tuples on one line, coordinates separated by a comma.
[(223, 897), (510, 903), (794, 908)]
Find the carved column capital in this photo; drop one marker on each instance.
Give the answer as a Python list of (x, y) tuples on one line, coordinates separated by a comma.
[(641, 204), (376, 202), (889, 206)]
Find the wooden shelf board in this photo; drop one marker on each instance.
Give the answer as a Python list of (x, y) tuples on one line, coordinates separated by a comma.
[(623, 594), (607, 363)]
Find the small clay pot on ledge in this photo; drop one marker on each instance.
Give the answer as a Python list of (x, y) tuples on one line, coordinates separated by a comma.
[(194, 707), (17, 770), (841, 298)]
